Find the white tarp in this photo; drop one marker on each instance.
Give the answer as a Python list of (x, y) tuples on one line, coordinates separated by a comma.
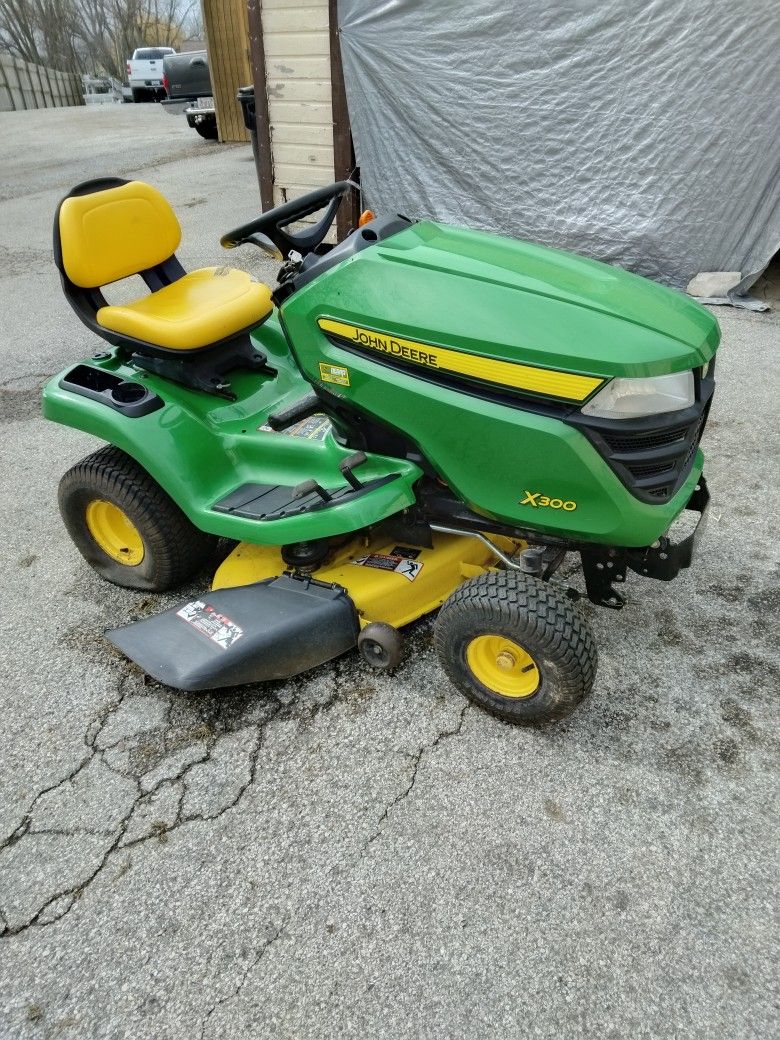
[(640, 133)]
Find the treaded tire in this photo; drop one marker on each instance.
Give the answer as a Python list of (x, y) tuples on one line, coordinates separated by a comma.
[(208, 130), (533, 615), (173, 548)]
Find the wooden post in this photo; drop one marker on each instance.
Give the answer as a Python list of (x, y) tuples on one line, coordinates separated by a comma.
[(227, 36), (17, 86), (343, 150), (262, 142)]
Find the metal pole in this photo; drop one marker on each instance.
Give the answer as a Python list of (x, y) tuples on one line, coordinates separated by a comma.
[(261, 139)]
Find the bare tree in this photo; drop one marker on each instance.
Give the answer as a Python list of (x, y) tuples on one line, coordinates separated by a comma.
[(90, 35), (40, 31)]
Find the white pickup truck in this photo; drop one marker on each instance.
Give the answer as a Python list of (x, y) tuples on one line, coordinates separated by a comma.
[(145, 72)]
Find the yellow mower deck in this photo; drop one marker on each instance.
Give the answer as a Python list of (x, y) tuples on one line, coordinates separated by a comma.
[(387, 580)]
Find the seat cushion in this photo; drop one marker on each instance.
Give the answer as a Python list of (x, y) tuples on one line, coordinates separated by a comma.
[(113, 233), (199, 309)]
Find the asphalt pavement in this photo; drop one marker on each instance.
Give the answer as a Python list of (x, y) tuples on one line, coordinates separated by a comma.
[(351, 854)]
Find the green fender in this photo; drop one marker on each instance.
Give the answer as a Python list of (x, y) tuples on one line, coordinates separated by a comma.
[(199, 448)]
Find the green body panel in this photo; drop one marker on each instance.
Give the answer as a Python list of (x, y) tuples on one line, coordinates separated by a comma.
[(200, 448), (510, 300), (501, 298), (453, 288), (491, 454)]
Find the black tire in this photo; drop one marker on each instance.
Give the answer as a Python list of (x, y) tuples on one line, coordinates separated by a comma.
[(537, 620), (381, 646), (139, 95), (208, 130), (173, 549)]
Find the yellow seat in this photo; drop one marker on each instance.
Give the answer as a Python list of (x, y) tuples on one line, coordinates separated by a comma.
[(107, 230), (201, 308)]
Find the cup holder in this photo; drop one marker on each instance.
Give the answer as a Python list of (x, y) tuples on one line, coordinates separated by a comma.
[(127, 396), (128, 393)]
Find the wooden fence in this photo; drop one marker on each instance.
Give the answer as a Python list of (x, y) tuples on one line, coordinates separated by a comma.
[(23, 85)]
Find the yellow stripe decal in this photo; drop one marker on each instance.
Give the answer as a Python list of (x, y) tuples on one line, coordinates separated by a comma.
[(489, 370)]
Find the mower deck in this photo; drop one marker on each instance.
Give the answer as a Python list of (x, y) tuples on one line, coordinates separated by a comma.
[(261, 622), (272, 630), (387, 580)]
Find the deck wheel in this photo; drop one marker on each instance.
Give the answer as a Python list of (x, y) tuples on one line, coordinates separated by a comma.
[(380, 645)]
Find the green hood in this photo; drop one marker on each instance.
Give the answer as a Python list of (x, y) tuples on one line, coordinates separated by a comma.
[(503, 298)]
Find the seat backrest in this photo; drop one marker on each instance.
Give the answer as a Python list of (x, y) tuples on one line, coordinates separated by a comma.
[(114, 232)]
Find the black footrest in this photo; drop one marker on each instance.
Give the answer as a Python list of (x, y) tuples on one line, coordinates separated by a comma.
[(277, 501)]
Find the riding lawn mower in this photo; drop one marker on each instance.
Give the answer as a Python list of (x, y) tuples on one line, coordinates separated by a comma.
[(419, 418)]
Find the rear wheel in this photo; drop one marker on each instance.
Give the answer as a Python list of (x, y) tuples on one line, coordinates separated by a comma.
[(126, 527), (208, 129), (139, 95), (516, 647)]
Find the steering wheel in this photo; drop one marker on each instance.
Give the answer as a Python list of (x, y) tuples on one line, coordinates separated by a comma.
[(268, 230)]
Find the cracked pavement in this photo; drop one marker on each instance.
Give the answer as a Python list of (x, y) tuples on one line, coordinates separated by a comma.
[(350, 854)]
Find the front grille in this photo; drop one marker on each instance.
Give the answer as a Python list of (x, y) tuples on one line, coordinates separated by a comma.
[(645, 443), (652, 456), (653, 470)]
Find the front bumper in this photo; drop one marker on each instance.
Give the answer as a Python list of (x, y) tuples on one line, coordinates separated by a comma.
[(194, 110), (176, 106), (604, 567), (665, 559)]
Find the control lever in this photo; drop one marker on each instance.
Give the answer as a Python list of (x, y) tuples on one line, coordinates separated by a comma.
[(308, 487), (300, 409), (348, 464)]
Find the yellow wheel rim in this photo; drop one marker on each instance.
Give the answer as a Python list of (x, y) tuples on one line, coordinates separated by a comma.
[(503, 666), (116, 535)]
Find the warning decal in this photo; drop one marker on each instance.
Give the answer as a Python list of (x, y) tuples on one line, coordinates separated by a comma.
[(334, 374), (399, 564), (314, 428), (406, 552), (210, 623)]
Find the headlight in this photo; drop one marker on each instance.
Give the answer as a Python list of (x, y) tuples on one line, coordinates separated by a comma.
[(629, 398)]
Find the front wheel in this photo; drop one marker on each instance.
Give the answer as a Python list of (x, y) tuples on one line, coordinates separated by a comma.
[(126, 527), (516, 647)]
